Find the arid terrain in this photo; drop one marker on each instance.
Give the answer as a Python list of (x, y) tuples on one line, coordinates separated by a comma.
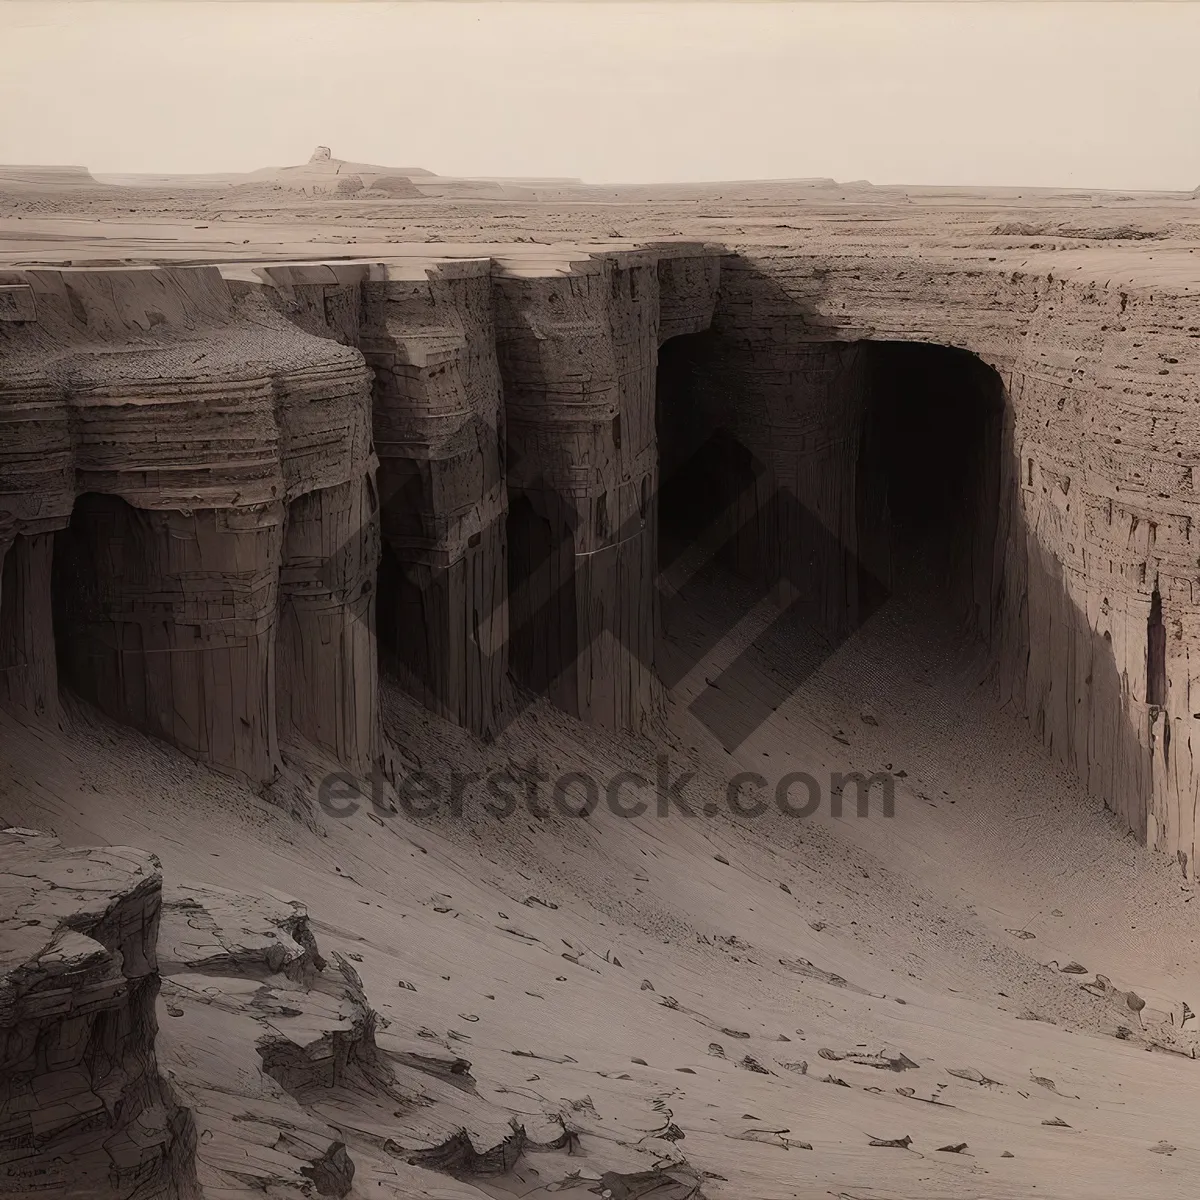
[(303, 480)]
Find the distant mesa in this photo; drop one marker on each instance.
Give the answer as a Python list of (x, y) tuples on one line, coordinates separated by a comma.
[(325, 175), (322, 163)]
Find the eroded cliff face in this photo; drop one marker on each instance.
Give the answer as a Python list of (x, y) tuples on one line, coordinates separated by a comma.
[(205, 468), (1089, 600), (177, 445), (578, 355), (86, 1111)]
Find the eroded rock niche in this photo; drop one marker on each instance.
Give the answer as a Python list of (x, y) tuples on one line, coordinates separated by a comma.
[(829, 474), (1097, 509), (166, 621)]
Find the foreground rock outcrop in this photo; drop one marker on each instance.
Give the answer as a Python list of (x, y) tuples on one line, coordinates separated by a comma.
[(84, 1108), (196, 1043)]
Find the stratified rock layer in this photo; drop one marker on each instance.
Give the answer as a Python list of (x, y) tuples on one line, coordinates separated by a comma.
[(199, 444), (174, 436), (85, 1110), (1097, 508)]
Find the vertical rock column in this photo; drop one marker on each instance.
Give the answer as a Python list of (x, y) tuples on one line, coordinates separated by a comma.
[(166, 580), (28, 664), (577, 355), (326, 660), (326, 672), (439, 436), (36, 493)]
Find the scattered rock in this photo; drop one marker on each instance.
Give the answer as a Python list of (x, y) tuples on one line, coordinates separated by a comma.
[(771, 1137), (900, 1143), (882, 1060), (1048, 1084), (972, 1076), (1029, 1015), (911, 1094), (749, 1063)]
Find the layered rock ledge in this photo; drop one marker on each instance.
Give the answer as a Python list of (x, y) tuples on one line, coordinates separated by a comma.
[(86, 1111)]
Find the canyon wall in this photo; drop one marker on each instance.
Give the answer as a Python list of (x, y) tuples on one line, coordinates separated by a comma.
[(180, 442), (1096, 551), (216, 483), (578, 356), (203, 468)]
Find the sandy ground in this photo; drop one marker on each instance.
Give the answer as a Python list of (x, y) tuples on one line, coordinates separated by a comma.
[(1140, 240), (903, 924)]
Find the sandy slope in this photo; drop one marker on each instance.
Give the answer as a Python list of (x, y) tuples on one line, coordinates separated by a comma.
[(521, 924)]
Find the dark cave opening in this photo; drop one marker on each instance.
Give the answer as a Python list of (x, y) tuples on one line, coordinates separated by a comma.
[(541, 591), (1156, 654), (927, 478), (93, 545), (898, 443), (706, 475)]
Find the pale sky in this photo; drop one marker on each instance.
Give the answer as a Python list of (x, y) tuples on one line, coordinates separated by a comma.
[(1077, 94)]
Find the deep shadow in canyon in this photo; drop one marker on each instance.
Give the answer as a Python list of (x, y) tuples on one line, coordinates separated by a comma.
[(829, 477), (927, 478), (874, 469)]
